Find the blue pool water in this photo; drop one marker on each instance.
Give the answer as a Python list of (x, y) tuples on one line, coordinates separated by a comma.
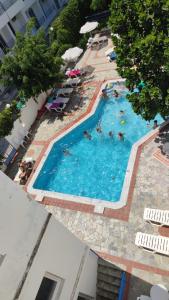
[(95, 168)]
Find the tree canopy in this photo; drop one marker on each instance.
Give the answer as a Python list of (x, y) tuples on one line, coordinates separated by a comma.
[(142, 47), (29, 65), (100, 4), (67, 25)]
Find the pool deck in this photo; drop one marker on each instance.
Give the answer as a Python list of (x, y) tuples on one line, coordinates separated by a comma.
[(112, 235)]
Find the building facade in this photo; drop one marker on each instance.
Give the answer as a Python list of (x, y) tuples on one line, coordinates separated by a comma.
[(14, 14), (39, 258)]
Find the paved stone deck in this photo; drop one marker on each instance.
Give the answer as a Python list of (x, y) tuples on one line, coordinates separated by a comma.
[(113, 238)]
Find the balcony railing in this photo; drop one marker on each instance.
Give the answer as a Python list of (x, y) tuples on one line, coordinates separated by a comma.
[(10, 42), (41, 21), (21, 29)]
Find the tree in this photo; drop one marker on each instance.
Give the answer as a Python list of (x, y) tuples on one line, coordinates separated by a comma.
[(67, 25), (30, 65), (7, 117), (100, 4), (142, 47)]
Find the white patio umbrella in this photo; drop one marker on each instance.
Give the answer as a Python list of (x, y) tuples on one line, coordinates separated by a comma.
[(72, 54), (89, 26)]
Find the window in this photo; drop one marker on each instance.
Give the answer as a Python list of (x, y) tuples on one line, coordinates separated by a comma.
[(57, 4), (50, 288), (46, 289), (32, 15)]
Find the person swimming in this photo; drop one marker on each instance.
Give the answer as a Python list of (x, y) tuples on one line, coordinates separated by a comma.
[(110, 134), (120, 136), (155, 124), (115, 94), (121, 113), (87, 135), (104, 94), (66, 152), (98, 128)]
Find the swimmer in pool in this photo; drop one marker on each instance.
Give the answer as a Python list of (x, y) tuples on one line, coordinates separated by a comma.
[(121, 113), (87, 135), (155, 124), (66, 152), (99, 129), (121, 136), (115, 94), (104, 94), (110, 134)]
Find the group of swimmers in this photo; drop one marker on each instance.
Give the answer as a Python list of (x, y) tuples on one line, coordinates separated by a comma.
[(88, 136), (105, 96)]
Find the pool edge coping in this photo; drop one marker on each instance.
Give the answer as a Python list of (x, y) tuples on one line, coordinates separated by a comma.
[(131, 170)]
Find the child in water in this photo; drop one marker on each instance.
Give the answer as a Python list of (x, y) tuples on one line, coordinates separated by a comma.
[(121, 136), (87, 135)]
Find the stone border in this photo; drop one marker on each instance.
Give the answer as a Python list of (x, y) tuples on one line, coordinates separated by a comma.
[(99, 206)]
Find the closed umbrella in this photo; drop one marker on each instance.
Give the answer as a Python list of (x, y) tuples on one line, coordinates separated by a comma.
[(72, 54), (89, 26)]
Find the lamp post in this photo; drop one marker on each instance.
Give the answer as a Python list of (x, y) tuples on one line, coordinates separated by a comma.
[(51, 34)]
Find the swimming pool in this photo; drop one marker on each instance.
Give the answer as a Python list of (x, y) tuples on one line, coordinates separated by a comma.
[(94, 168)]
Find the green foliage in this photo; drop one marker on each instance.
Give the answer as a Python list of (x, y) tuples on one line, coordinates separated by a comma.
[(30, 66), (100, 4), (142, 51), (83, 41), (67, 25), (63, 48), (7, 117)]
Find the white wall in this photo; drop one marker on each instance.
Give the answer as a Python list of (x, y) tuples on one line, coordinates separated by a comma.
[(28, 116), (88, 280), (21, 222), (60, 253)]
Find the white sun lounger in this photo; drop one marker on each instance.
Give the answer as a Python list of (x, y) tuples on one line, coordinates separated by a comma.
[(71, 82), (64, 92), (59, 109), (152, 243), (156, 216)]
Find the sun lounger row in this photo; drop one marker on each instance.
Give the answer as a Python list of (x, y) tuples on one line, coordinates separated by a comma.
[(154, 243), (71, 82)]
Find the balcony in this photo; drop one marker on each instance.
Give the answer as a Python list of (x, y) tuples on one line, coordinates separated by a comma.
[(41, 21), (1, 10), (10, 42), (21, 29), (6, 4), (50, 10)]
